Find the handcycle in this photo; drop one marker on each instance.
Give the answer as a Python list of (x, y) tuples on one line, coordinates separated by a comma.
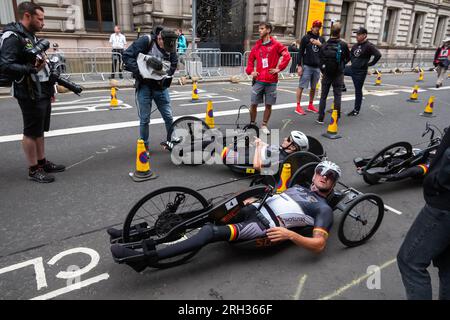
[(171, 214), (396, 158), (193, 141)]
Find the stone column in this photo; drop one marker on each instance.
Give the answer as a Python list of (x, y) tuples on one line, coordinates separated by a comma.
[(124, 15)]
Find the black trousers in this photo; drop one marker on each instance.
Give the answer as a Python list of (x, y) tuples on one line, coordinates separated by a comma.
[(328, 81), (116, 60)]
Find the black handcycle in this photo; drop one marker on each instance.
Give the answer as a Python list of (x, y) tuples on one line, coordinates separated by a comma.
[(397, 157)]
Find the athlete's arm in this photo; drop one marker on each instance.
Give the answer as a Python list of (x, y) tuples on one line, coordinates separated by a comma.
[(315, 244)]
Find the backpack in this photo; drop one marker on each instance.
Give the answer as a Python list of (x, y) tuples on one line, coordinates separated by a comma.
[(5, 79), (330, 58)]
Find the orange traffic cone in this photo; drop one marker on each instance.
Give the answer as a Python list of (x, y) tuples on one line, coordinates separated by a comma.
[(209, 119), (378, 79), (113, 103), (421, 74), (142, 172), (332, 131), (285, 177), (428, 112), (195, 97), (414, 95)]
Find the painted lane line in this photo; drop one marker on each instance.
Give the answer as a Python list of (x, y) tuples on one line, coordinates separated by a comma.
[(131, 124), (392, 209), (124, 106), (301, 284), (73, 287), (80, 162), (39, 270), (441, 88), (355, 282)]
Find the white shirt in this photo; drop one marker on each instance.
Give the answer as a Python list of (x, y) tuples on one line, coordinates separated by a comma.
[(118, 41)]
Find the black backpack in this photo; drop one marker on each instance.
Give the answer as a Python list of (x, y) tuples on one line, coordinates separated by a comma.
[(330, 58), (5, 79)]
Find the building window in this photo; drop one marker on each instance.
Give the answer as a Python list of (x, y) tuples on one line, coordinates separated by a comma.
[(390, 22), (416, 28), (99, 15), (344, 18), (440, 30)]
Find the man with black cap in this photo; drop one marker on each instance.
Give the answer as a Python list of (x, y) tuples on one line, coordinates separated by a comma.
[(360, 56), (157, 53)]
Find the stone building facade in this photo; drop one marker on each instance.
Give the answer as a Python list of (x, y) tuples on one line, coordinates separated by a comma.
[(394, 25)]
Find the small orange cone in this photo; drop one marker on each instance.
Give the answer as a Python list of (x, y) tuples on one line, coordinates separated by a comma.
[(209, 119), (421, 74), (142, 172), (428, 112), (332, 131), (414, 95), (378, 79), (195, 97), (113, 103), (285, 177)]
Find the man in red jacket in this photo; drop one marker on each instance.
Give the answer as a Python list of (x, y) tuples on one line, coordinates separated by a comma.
[(267, 53)]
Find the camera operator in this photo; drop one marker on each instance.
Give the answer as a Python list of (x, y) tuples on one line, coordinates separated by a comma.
[(161, 63), (31, 87)]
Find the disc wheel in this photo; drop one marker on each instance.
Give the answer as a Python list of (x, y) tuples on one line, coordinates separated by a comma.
[(361, 219), (390, 157), (160, 211)]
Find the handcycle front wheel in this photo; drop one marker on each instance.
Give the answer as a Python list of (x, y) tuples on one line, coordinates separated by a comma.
[(361, 219), (388, 157), (303, 176), (159, 212), (193, 126)]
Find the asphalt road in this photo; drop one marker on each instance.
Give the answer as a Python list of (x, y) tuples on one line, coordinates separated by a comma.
[(48, 229)]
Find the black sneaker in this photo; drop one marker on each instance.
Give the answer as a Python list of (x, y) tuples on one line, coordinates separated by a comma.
[(50, 167), (353, 113), (41, 176), (319, 121), (167, 145)]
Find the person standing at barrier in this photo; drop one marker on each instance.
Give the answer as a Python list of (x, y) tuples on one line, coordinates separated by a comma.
[(441, 61), (31, 86), (267, 53), (334, 55), (293, 51), (160, 49), (308, 65), (118, 42), (181, 46), (360, 55), (428, 239)]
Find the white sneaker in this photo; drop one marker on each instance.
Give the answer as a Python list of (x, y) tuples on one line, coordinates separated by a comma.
[(265, 130)]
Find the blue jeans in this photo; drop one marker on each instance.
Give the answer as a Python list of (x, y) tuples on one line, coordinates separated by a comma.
[(427, 240), (358, 77), (144, 97)]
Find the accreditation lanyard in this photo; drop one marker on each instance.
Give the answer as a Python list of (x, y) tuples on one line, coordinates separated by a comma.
[(265, 61)]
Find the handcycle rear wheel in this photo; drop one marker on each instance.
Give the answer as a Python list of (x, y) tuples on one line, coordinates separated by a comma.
[(304, 175), (188, 123), (162, 210), (386, 159), (361, 219)]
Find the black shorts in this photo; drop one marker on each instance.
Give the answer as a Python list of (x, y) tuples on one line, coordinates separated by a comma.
[(36, 117)]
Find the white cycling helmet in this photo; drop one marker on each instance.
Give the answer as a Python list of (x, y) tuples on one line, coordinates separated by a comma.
[(327, 166), (300, 139)]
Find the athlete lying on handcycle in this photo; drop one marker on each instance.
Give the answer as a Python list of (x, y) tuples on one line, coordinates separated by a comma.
[(274, 217)]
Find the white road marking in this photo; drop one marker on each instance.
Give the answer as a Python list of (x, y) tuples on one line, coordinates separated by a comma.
[(355, 282), (75, 286), (441, 88), (301, 284), (206, 102), (80, 162), (392, 209), (39, 270)]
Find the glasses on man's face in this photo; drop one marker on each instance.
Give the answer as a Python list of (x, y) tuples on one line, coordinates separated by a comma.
[(329, 174)]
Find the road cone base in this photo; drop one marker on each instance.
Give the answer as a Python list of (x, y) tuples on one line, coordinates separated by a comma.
[(428, 115), (419, 80), (330, 135), (143, 176), (413, 100), (195, 100)]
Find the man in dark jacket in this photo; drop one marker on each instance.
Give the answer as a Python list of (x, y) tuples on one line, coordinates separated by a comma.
[(334, 55), (360, 56), (32, 87), (428, 239), (308, 65), (161, 45)]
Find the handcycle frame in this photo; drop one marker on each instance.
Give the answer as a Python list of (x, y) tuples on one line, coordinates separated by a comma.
[(387, 161)]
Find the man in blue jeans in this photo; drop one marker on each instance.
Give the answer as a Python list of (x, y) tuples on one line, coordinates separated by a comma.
[(161, 47), (429, 237), (360, 55)]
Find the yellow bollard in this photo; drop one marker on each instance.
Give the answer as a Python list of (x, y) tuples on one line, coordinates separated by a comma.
[(428, 112), (332, 131), (414, 95), (209, 119), (142, 172), (195, 97), (285, 177)]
